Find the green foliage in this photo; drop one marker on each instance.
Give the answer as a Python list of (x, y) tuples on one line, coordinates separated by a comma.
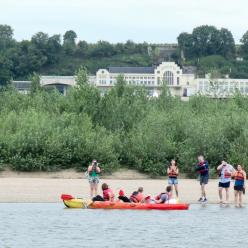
[(207, 40), (47, 131)]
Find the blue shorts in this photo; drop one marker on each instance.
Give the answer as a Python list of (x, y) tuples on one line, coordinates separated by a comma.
[(224, 185), (203, 179), (172, 180)]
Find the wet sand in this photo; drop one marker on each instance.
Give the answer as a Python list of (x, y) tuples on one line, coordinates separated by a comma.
[(47, 187)]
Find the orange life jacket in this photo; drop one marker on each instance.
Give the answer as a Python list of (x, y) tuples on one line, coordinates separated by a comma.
[(239, 176)]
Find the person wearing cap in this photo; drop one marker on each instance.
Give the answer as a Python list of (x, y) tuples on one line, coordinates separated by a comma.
[(93, 177), (122, 196)]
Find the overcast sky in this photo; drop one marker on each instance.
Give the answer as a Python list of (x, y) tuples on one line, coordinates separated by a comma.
[(120, 20)]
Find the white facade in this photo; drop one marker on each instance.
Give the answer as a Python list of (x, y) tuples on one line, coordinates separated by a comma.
[(182, 83), (152, 78)]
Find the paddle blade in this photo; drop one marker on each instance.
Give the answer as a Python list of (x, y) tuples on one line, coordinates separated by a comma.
[(66, 197)]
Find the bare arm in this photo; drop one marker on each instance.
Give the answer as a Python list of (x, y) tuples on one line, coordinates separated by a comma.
[(89, 168), (220, 167), (244, 178), (98, 170), (158, 201), (168, 170)]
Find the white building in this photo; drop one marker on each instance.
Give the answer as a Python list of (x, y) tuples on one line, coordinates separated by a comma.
[(179, 82), (182, 82)]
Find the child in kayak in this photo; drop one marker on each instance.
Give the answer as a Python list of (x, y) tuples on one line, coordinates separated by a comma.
[(137, 196), (164, 197), (122, 196), (108, 194)]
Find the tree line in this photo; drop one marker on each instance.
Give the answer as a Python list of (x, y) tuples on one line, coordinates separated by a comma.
[(207, 48), (45, 131)]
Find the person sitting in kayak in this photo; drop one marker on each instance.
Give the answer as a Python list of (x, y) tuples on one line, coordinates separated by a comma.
[(164, 197), (137, 196), (122, 196), (108, 194)]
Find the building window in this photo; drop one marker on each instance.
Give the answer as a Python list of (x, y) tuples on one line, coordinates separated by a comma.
[(178, 80), (158, 72), (102, 72), (169, 77)]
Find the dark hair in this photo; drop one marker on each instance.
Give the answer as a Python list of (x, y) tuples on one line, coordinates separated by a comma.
[(104, 186), (168, 189), (140, 189), (173, 160)]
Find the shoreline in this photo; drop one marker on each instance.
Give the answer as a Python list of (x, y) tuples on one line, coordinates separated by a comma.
[(48, 190)]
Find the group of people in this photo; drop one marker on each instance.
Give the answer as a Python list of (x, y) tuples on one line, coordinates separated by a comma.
[(226, 173)]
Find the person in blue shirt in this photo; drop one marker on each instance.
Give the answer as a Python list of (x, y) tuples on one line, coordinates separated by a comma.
[(203, 169)]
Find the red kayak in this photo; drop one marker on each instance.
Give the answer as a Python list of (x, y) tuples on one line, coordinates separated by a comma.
[(72, 202)]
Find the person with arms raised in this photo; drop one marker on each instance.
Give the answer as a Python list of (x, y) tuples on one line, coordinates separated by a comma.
[(225, 173), (173, 173), (93, 177), (203, 169)]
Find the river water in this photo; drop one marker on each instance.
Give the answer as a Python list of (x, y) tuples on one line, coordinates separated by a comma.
[(51, 225)]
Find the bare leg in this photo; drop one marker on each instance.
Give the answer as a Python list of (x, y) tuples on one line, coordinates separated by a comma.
[(227, 195), (203, 192), (220, 194), (236, 198), (91, 190), (240, 199), (176, 189), (95, 188)]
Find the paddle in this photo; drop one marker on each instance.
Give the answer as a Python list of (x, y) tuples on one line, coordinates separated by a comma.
[(65, 197)]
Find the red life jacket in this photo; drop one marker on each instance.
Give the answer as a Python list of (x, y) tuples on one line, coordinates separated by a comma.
[(108, 195), (239, 176), (227, 174), (172, 173), (202, 167), (136, 198)]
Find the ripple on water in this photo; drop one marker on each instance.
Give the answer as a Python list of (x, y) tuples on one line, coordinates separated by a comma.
[(50, 225)]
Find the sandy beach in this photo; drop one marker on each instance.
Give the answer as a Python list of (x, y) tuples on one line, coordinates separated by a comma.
[(47, 187)]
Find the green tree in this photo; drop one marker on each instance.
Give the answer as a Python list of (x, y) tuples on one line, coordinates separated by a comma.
[(244, 46), (69, 41), (227, 45), (35, 84), (185, 43), (6, 37)]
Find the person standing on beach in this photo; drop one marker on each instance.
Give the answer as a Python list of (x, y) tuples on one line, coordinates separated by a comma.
[(239, 185), (93, 177), (225, 172), (203, 169), (173, 173)]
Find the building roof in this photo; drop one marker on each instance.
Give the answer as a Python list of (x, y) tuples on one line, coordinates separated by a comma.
[(134, 70), (189, 69), (22, 84)]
